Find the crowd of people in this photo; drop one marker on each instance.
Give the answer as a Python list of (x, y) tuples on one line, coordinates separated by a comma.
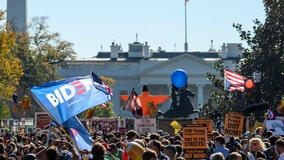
[(260, 144)]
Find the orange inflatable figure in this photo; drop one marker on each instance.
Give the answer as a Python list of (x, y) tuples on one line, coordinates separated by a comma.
[(25, 102), (148, 101)]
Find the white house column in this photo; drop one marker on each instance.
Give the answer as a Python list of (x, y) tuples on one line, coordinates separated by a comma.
[(170, 92), (200, 94)]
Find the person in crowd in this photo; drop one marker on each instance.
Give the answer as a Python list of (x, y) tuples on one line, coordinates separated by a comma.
[(259, 131), (3, 154), (155, 136), (52, 153), (280, 148), (141, 142), (270, 152), (157, 147), (108, 155), (32, 148), (215, 134), (256, 148), (179, 150), (44, 139), (239, 149), (10, 151), (149, 154), (98, 151), (232, 144), (165, 142), (234, 156), (131, 135), (217, 156), (29, 157), (220, 146), (177, 138), (170, 151), (172, 140), (117, 152), (64, 150)]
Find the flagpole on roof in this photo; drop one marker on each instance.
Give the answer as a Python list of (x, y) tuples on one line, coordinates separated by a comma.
[(185, 27), (125, 103)]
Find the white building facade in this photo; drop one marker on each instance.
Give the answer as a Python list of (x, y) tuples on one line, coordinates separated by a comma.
[(141, 66)]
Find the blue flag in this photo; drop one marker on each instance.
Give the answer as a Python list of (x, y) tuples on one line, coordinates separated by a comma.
[(66, 98), (78, 133)]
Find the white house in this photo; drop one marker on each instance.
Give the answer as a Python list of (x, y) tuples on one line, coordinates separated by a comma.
[(141, 66)]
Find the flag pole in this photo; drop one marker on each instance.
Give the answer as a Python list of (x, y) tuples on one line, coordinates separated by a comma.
[(79, 151), (125, 103), (185, 27)]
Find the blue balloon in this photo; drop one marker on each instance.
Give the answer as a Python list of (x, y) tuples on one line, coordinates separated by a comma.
[(179, 78)]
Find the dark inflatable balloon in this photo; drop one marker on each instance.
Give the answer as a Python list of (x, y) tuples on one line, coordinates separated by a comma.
[(181, 105)]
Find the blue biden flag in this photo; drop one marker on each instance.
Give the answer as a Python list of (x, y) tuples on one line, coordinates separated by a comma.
[(66, 98), (78, 133)]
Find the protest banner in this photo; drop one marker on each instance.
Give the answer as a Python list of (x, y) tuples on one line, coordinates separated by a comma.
[(42, 120), (143, 126), (106, 124), (209, 125), (276, 126), (195, 136), (195, 153), (233, 124)]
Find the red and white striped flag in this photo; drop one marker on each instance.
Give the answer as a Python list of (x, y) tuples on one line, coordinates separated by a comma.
[(133, 104), (186, 1), (233, 81)]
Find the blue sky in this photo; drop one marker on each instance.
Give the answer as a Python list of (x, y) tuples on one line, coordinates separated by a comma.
[(92, 25)]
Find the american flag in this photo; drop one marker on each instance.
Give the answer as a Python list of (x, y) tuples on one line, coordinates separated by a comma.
[(233, 81), (186, 1), (101, 85), (133, 104)]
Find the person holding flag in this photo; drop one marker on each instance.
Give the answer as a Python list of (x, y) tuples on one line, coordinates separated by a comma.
[(64, 99)]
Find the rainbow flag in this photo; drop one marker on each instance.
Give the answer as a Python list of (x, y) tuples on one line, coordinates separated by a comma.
[(270, 114)]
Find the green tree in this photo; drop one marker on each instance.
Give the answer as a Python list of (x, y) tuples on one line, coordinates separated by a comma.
[(4, 110), (265, 52), (100, 110), (10, 66), (41, 52), (223, 101), (104, 111)]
